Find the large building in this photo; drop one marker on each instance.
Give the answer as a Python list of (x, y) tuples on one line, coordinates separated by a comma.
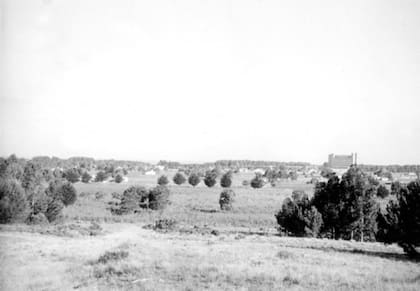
[(341, 161)]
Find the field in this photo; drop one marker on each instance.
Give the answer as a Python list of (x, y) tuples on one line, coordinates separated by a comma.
[(209, 249)]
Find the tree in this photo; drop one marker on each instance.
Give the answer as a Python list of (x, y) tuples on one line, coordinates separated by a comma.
[(163, 180), (298, 217), (348, 207), (382, 192), (226, 180), (179, 178), (401, 222), (118, 178), (158, 197), (226, 199), (293, 175), (13, 202), (257, 181), (55, 206), (210, 178), (63, 191), (86, 177), (101, 176), (32, 176), (194, 179), (72, 175)]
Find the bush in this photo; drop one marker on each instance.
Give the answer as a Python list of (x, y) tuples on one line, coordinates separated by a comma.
[(227, 197), (194, 179), (158, 197), (179, 178), (245, 183), (55, 206), (382, 192), (63, 191), (165, 224), (38, 219), (86, 177), (13, 202), (101, 176), (163, 180), (226, 180), (210, 178), (112, 256), (257, 182), (133, 198), (298, 217), (72, 175), (39, 202), (118, 178)]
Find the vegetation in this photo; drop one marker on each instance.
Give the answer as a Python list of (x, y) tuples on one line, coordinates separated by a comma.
[(101, 176), (72, 175), (401, 221), (163, 180), (86, 177), (13, 203), (118, 178), (226, 180), (382, 192), (179, 178), (194, 179), (158, 197), (257, 182), (210, 178), (227, 197)]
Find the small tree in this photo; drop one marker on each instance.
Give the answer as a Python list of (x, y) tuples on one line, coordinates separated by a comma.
[(63, 191), (227, 197), (72, 175), (163, 180), (257, 182), (55, 206), (226, 180), (133, 198), (179, 178), (210, 178), (101, 176), (86, 177), (118, 178), (245, 183), (382, 192), (13, 202), (158, 197), (194, 179)]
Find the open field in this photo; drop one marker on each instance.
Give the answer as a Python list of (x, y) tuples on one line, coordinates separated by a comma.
[(236, 250)]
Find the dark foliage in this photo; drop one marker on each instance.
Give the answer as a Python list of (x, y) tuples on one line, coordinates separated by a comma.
[(257, 182), (101, 176), (382, 192), (226, 180), (194, 179), (72, 175), (55, 206), (227, 197), (13, 202), (179, 178), (158, 197), (163, 180), (210, 178), (118, 178), (86, 177)]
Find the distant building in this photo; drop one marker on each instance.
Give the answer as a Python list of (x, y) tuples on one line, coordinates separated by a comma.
[(341, 161)]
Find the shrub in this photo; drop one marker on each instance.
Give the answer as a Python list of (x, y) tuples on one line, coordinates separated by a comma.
[(163, 180), (134, 198), (55, 206), (227, 197), (158, 197), (194, 179), (298, 217), (101, 176), (38, 219), (86, 177), (13, 202), (245, 183), (39, 202), (210, 178), (118, 178), (64, 191), (257, 182), (226, 180), (382, 192), (165, 224), (72, 175), (179, 178), (112, 256)]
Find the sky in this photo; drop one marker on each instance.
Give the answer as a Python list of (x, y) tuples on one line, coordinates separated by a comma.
[(201, 80)]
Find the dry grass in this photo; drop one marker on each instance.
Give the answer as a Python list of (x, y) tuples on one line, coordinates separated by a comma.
[(209, 249)]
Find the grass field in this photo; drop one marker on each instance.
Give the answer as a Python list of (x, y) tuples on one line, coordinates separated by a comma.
[(244, 254)]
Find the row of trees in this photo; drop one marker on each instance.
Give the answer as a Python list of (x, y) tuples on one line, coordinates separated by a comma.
[(210, 179), (348, 208)]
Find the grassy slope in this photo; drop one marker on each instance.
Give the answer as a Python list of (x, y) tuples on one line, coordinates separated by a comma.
[(174, 261)]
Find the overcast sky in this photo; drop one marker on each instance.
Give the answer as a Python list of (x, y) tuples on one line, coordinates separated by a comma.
[(206, 80)]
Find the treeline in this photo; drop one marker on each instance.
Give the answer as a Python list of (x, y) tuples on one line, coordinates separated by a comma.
[(47, 162), (232, 164), (348, 208), (391, 168)]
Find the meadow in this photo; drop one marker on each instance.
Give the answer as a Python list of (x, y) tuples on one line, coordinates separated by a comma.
[(235, 250)]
